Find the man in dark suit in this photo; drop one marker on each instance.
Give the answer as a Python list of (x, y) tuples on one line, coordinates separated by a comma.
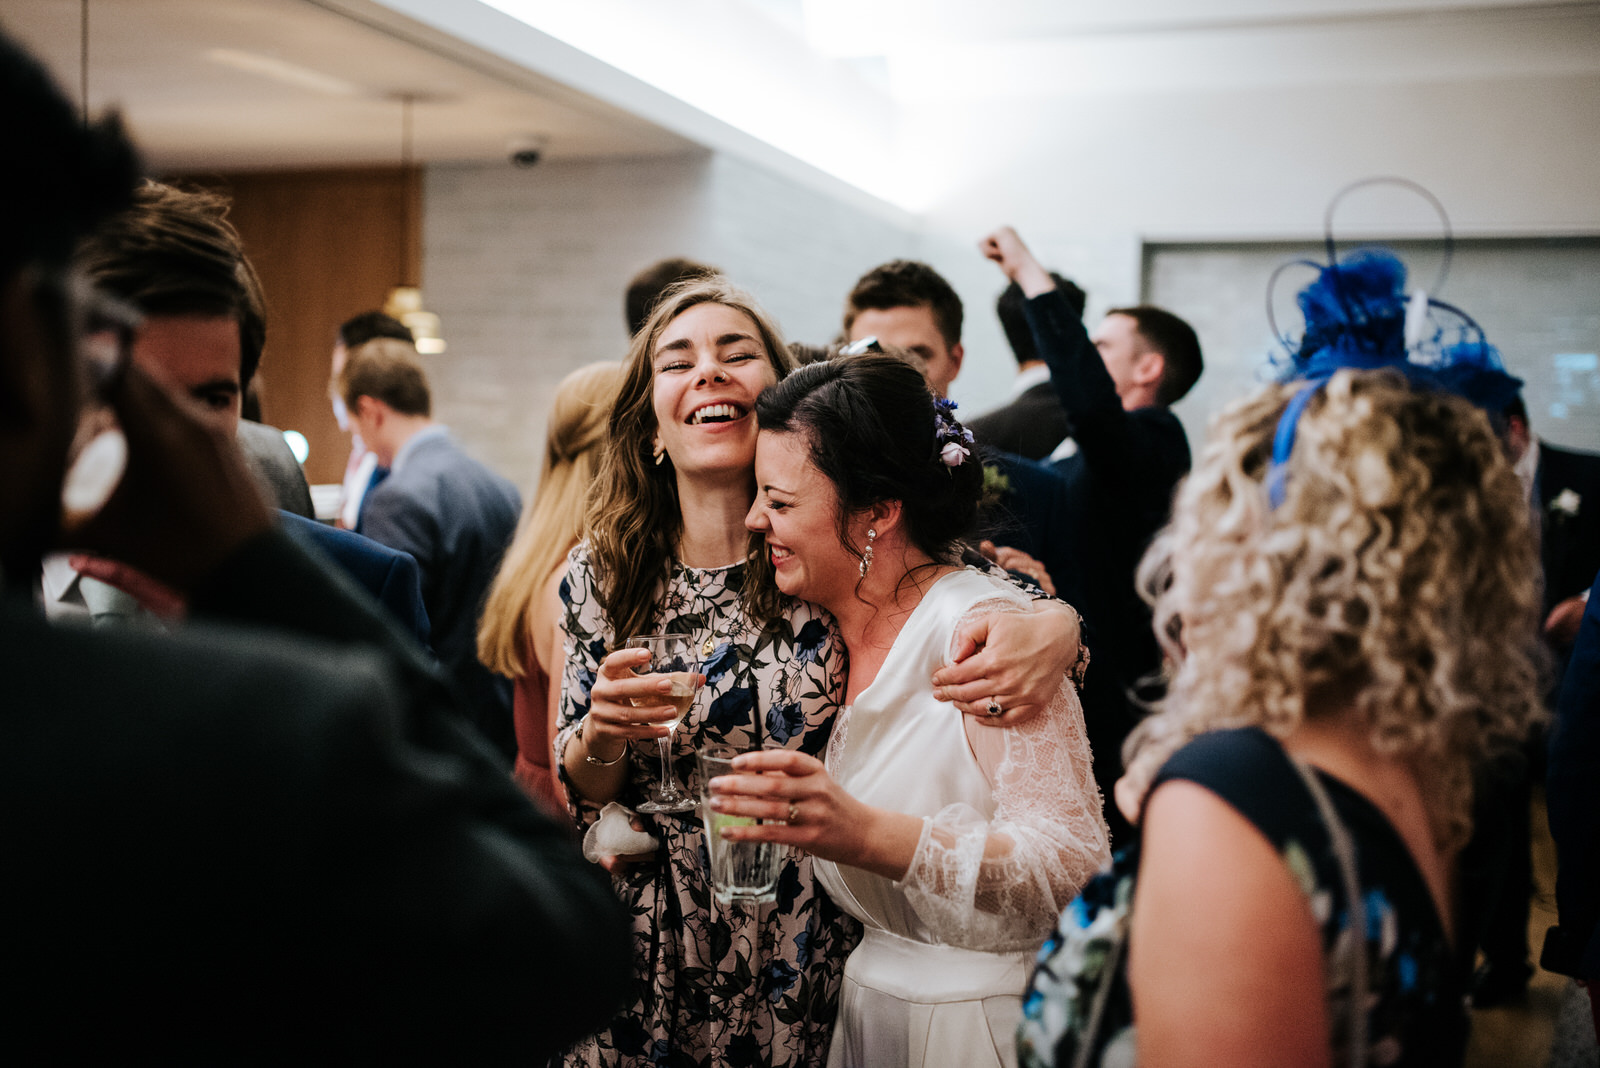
[(1564, 484), (1573, 788), (264, 838), (1127, 453), (277, 471), (174, 257), (1032, 423), (1563, 487), (450, 512)]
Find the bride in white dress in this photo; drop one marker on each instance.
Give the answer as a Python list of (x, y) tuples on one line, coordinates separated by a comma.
[(956, 847)]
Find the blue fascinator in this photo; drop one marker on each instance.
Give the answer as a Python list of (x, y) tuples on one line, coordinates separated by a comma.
[(1359, 316)]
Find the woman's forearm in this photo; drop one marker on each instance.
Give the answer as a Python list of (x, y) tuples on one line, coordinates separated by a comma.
[(595, 782)]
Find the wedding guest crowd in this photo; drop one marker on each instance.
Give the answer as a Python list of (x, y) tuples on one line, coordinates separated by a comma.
[(1055, 751)]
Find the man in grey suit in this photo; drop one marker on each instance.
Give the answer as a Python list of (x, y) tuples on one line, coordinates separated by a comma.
[(440, 505), (263, 838)]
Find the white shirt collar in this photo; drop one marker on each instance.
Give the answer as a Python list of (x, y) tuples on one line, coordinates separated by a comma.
[(58, 578), (1527, 467)]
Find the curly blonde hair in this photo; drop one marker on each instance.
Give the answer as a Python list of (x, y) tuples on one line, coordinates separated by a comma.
[(1397, 581)]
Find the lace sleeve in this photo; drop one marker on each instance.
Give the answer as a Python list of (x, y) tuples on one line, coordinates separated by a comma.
[(1001, 883), (584, 640)]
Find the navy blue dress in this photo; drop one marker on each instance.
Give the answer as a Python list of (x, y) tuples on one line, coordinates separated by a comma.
[(1418, 1010)]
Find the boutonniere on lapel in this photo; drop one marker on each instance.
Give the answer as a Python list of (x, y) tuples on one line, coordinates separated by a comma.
[(995, 484), (1565, 503)]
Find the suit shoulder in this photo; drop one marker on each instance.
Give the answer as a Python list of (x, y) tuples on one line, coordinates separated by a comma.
[(268, 684)]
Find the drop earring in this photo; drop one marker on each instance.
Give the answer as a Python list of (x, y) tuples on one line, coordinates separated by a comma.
[(658, 450), (866, 553)]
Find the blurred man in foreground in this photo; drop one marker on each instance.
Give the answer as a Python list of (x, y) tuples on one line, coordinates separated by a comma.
[(263, 838)]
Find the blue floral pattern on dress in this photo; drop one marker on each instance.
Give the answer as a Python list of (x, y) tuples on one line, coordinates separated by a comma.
[(1416, 1013), (718, 985)]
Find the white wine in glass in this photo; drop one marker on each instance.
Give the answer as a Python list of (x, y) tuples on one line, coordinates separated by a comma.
[(671, 655)]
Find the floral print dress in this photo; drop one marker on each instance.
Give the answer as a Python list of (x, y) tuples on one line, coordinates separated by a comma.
[(717, 985), (1416, 1003)]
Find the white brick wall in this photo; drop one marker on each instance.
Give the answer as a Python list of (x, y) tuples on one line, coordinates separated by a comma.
[(527, 268)]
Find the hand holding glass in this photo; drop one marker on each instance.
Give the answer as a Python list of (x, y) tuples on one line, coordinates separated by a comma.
[(741, 872), (671, 655)]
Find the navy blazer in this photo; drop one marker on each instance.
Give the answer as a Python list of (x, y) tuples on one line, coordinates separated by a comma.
[(391, 576), (1572, 787)]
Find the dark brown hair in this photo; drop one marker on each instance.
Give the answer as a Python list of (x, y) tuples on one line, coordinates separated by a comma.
[(907, 284), (175, 253), (870, 427), (360, 329), (1175, 339), (646, 288)]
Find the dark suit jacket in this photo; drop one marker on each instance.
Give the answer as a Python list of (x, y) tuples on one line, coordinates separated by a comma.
[(1092, 520), (1117, 487), (267, 839), (1572, 786), (456, 517), (389, 575), (1569, 545), (277, 471), (1030, 426)]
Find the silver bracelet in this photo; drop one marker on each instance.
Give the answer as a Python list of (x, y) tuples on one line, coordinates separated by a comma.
[(590, 758)]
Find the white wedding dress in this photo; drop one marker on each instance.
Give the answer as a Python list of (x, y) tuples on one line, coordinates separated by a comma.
[(1009, 834)]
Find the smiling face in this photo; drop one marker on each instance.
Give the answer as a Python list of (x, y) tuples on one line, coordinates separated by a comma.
[(708, 367), (797, 512)]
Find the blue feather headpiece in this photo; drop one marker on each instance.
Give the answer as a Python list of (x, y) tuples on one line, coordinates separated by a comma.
[(1358, 316)]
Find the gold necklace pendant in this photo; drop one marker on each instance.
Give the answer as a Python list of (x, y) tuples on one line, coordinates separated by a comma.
[(707, 646)]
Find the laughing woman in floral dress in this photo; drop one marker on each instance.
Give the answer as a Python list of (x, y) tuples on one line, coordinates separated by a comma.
[(668, 551)]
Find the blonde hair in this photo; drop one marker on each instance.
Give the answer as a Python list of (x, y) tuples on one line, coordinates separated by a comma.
[(635, 517), (1396, 581), (553, 522)]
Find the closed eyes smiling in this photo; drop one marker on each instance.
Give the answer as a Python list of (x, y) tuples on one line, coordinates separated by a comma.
[(689, 365)]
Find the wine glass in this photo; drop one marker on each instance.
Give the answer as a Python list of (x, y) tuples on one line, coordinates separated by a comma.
[(672, 655)]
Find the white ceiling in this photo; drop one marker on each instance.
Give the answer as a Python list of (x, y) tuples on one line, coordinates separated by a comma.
[(838, 84), (240, 84)]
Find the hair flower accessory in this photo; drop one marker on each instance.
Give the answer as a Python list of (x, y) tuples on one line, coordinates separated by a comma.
[(949, 434)]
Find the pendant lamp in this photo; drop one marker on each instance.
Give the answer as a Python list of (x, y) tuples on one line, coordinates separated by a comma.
[(405, 300)]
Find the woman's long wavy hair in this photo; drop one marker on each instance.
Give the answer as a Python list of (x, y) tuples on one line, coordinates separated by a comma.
[(553, 521), (635, 516), (1396, 582)]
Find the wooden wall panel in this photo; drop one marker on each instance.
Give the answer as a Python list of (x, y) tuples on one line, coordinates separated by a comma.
[(327, 245)]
